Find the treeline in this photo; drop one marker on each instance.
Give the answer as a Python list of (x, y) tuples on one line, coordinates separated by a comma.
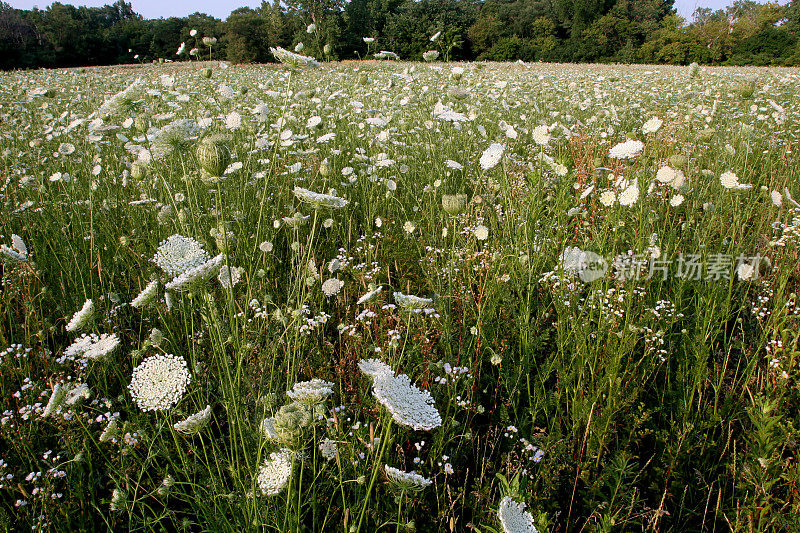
[(532, 30)]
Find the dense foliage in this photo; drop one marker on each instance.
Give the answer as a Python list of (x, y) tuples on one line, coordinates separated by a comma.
[(196, 259), (626, 31)]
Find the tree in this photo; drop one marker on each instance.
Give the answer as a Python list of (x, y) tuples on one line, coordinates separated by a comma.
[(248, 36), (18, 39)]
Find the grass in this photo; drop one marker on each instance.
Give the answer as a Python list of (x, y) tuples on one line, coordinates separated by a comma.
[(629, 402)]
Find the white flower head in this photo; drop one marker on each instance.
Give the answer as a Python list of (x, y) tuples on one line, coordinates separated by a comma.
[(229, 276), (81, 318), (193, 424), (292, 59), (408, 405), (730, 180), (541, 135), (406, 481), (147, 295), (197, 275), (370, 296), (652, 125), (159, 382), (630, 195), (311, 392), (319, 200), (17, 252), (409, 301), (607, 198), (745, 271), (274, 474), (626, 150), (328, 449), (514, 518), (492, 155), (101, 346), (178, 254), (268, 429), (332, 286), (56, 399), (373, 367)]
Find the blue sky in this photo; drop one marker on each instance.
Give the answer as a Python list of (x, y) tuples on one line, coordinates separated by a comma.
[(178, 8)]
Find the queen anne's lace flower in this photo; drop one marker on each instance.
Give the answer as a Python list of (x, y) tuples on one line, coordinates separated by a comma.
[(630, 195), (178, 254), (607, 198), (332, 286), (514, 518), (268, 429), (370, 296), (82, 317), (102, 346), (626, 150), (275, 472), (110, 432), (80, 345), (229, 276), (406, 481), (159, 382), (311, 392), (541, 135), (80, 391), (328, 449), (147, 295), (481, 233), (318, 199), (373, 367), (292, 59), (491, 156), (17, 251), (409, 301), (652, 125), (729, 180), (56, 399), (407, 404), (193, 424), (196, 275)]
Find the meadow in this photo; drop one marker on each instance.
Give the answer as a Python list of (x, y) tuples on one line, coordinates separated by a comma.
[(385, 296)]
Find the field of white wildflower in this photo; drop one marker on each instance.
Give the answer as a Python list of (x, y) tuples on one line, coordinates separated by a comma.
[(383, 296)]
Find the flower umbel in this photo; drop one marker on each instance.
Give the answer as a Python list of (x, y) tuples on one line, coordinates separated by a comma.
[(159, 382)]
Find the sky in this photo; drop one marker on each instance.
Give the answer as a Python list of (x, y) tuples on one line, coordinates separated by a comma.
[(221, 9)]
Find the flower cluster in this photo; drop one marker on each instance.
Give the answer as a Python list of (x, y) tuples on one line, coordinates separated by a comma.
[(626, 150), (318, 199), (311, 392), (178, 254), (194, 423), (292, 59), (81, 318), (17, 252), (197, 275), (406, 481), (408, 405), (159, 382), (514, 518), (275, 472), (92, 346)]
